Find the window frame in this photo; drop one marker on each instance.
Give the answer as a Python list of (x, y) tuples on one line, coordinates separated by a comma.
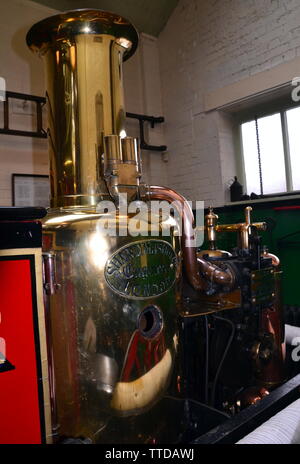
[(249, 114)]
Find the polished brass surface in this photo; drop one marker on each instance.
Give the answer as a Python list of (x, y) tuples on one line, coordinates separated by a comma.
[(112, 150), (111, 298), (95, 331), (208, 304), (210, 228), (122, 171), (83, 51), (129, 150), (243, 229), (213, 254)]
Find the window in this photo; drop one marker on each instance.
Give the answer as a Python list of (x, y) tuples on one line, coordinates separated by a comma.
[(271, 152)]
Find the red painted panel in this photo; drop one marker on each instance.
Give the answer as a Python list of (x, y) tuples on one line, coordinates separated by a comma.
[(19, 400)]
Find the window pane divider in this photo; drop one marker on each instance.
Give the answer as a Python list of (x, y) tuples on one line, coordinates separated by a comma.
[(242, 160), (286, 150)]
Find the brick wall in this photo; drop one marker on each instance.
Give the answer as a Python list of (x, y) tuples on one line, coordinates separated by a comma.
[(142, 88), (207, 45), (22, 73)]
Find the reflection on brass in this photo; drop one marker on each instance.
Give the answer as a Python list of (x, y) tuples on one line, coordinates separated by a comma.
[(210, 228), (112, 300), (129, 150), (243, 229), (104, 364), (205, 304), (210, 233), (121, 166), (213, 254), (83, 51), (135, 395)]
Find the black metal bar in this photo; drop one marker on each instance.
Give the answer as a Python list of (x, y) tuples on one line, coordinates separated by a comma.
[(25, 96), (144, 117), (153, 120), (259, 156), (41, 135), (21, 213), (39, 119), (249, 419), (146, 146), (6, 114)]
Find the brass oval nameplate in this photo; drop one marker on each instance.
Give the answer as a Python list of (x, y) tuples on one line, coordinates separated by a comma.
[(142, 269)]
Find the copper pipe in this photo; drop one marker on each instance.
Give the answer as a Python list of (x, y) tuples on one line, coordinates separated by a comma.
[(215, 274), (236, 227), (242, 229), (191, 263), (275, 259)]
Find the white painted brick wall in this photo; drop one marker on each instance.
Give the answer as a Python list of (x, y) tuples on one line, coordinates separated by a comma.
[(206, 45), (142, 87), (23, 73)]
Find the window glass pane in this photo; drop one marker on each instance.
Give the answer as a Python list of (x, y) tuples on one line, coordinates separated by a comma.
[(250, 157), (293, 123), (272, 154)]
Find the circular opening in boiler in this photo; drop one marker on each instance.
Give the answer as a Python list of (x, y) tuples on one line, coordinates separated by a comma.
[(150, 321)]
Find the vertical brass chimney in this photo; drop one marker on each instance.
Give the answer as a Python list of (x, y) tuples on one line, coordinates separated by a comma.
[(83, 52)]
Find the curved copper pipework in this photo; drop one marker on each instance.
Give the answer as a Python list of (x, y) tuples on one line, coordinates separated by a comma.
[(191, 263), (275, 259), (215, 274)]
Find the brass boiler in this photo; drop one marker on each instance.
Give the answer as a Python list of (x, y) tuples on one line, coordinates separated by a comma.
[(111, 301)]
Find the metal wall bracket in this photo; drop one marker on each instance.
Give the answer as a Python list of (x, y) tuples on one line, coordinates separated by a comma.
[(41, 133), (39, 101), (153, 120)]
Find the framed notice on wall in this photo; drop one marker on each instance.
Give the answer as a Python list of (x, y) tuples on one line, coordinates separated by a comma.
[(30, 190)]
